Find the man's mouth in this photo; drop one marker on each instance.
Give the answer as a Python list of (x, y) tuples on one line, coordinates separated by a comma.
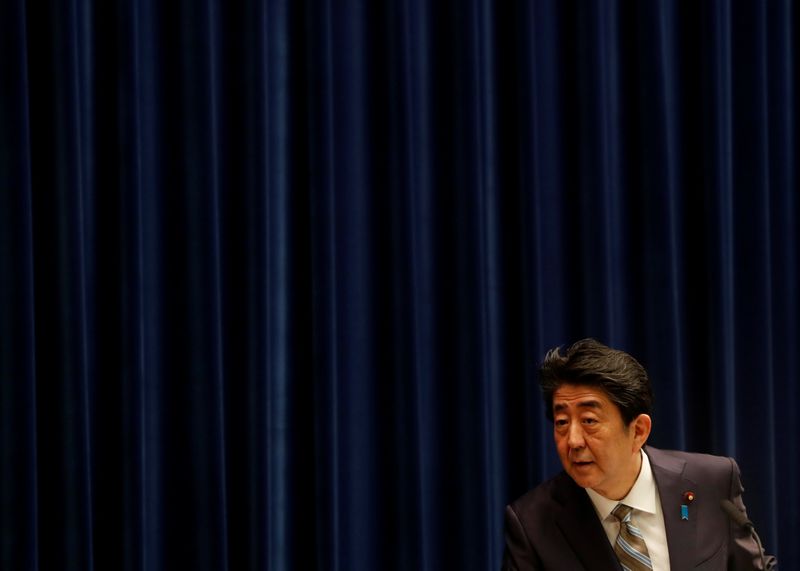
[(581, 464)]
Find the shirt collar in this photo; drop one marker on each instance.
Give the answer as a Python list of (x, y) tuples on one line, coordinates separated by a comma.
[(642, 496)]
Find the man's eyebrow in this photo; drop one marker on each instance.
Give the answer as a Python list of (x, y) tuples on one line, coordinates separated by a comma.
[(589, 403)]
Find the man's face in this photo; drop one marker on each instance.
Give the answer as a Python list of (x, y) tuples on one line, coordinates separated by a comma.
[(596, 448)]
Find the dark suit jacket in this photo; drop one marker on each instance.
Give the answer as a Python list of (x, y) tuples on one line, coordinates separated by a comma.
[(555, 526)]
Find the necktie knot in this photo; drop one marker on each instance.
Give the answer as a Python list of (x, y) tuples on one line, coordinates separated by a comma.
[(622, 513)]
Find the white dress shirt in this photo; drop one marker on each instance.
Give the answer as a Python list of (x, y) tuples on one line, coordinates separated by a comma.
[(646, 515)]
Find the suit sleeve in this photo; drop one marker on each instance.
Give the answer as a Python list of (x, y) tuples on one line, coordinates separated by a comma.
[(744, 553), (518, 555)]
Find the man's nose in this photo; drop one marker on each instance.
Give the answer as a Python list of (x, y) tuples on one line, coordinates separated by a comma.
[(575, 436)]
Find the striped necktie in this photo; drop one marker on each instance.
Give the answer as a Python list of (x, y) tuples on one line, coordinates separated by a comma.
[(630, 547)]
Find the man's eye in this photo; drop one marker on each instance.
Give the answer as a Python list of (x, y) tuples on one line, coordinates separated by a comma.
[(590, 421), (561, 422)]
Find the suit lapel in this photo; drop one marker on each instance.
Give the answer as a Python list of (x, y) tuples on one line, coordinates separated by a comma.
[(681, 534), (580, 525)]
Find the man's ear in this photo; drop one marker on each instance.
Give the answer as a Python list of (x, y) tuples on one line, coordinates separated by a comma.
[(641, 430)]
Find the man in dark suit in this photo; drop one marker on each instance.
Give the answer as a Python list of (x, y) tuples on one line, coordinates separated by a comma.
[(620, 504)]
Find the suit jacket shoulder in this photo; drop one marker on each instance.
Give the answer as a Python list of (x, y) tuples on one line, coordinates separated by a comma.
[(707, 539), (555, 526)]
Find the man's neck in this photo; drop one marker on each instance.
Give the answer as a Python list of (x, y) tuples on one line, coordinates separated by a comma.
[(624, 488)]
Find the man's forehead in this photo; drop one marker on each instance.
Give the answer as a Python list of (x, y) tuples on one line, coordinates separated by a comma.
[(579, 396)]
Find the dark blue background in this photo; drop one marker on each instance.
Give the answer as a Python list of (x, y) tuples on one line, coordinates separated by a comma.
[(275, 276)]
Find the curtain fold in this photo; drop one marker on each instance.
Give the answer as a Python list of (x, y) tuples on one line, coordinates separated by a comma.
[(275, 276), (19, 521)]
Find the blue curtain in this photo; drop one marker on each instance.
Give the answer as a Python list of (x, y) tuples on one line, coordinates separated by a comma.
[(275, 276)]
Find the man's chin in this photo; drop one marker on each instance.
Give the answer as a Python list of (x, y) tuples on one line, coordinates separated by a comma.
[(584, 476)]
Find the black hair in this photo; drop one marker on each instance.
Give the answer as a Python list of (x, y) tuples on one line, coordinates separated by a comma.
[(589, 362)]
